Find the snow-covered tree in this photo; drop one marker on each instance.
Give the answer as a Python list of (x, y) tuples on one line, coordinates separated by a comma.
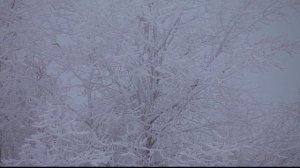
[(24, 83), (159, 81)]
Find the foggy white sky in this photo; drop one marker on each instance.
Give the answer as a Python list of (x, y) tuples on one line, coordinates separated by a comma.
[(274, 84)]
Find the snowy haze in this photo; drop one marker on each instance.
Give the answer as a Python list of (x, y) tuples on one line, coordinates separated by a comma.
[(149, 83), (281, 85)]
